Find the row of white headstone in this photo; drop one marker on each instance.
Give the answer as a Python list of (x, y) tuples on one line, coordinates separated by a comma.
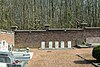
[(62, 45)]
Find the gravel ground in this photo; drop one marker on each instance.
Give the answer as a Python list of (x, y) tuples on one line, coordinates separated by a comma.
[(61, 58)]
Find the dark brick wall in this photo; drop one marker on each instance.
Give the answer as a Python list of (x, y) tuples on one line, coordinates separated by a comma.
[(34, 38)]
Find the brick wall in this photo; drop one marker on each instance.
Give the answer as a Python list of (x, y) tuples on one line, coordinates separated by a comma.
[(9, 37), (33, 38)]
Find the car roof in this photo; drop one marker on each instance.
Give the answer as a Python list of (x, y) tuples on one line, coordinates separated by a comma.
[(6, 53)]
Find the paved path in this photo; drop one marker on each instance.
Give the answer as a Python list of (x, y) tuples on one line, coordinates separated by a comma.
[(60, 58)]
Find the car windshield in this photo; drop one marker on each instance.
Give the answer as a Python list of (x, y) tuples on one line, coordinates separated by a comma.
[(5, 60)]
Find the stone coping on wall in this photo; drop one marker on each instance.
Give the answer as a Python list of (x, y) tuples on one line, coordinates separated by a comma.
[(92, 28), (67, 29), (62, 29), (28, 30), (6, 32)]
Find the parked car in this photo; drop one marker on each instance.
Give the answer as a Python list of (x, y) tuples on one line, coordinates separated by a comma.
[(9, 59)]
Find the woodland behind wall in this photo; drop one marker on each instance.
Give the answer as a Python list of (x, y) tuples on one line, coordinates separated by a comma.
[(33, 14)]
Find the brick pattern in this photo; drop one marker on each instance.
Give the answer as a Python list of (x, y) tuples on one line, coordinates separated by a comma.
[(33, 39), (9, 37)]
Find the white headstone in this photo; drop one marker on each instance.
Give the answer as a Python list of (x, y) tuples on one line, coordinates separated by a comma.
[(50, 44), (43, 45), (3, 46), (69, 44), (62, 44), (56, 44)]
